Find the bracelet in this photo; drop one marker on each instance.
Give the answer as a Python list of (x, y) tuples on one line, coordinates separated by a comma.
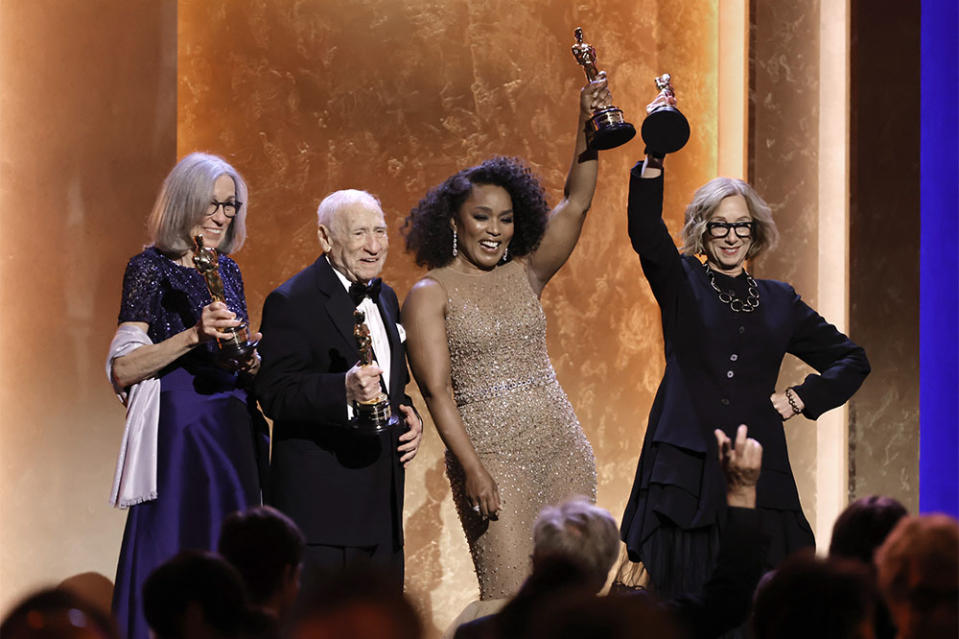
[(792, 401)]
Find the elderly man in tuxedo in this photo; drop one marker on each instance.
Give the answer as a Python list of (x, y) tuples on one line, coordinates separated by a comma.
[(342, 486)]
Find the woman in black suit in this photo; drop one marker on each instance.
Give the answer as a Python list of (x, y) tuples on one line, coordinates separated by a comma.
[(725, 338)]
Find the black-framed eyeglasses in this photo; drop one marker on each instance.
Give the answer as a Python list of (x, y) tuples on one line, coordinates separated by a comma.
[(721, 229), (230, 208)]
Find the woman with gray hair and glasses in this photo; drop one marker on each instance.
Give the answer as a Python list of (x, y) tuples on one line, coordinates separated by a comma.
[(189, 452), (726, 334)]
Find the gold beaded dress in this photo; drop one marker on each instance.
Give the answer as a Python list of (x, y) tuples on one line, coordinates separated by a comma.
[(516, 415)]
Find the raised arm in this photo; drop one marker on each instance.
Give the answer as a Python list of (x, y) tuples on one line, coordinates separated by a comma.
[(647, 231), (566, 220), (661, 262), (425, 323), (724, 601)]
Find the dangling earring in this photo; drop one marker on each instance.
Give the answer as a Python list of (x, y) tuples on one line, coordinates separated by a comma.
[(505, 253), (454, 241)]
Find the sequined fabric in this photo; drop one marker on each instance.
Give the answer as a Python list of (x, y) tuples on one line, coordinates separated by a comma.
[(208, 436), (170, 297), (516, 414)]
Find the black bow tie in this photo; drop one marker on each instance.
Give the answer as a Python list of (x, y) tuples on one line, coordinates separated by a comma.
[(359, 291)]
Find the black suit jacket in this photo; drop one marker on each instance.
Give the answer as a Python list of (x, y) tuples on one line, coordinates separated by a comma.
[(341, 487)]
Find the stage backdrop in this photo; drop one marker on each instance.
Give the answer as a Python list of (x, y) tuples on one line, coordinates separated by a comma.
[(87, 134), (99, 98), (394, 96)]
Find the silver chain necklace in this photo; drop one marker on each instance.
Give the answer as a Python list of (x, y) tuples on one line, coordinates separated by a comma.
[(747, 305)]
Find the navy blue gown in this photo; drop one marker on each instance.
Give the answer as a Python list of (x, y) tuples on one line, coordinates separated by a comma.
[(721, 368), (209, 436)]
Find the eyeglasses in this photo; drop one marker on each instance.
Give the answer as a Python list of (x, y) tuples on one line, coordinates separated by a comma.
[(230, 209), (721, 229)]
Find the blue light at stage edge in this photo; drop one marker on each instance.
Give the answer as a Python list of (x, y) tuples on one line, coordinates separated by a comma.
[(939, 260)]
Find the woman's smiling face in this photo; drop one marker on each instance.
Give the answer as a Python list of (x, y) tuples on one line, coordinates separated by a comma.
[(484, 226), (727, 254), (214, 225)]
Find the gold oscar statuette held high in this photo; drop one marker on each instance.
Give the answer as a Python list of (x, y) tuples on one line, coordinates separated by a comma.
[(374, 416), (606, 128), (238, 348), (665, 129)]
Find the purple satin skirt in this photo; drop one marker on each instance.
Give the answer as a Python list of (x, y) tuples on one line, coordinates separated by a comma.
[(206, 469)]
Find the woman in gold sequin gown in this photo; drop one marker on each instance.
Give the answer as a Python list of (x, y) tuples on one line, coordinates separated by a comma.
[(476, 338)]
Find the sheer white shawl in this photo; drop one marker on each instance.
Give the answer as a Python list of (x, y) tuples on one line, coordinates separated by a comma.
[(135, 480)]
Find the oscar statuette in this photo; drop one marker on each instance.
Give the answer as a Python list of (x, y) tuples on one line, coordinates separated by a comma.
[(665, 129), (373, 416), (606, 128), (233, 352)]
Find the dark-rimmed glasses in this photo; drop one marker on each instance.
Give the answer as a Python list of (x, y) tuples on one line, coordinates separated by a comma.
[(721, 229), (230, 208)]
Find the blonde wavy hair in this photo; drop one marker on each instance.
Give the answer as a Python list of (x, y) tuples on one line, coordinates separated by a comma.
[(705, 202)]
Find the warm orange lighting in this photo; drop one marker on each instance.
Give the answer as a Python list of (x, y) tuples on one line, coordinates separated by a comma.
[(831, 429), (733, 86)]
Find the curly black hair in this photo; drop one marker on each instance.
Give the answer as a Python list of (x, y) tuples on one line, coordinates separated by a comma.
[(427, 227)]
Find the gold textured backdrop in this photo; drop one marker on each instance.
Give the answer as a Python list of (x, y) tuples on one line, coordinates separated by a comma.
[(87, 133), (98, 98), (392, 96)]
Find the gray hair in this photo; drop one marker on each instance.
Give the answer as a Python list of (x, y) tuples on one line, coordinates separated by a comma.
[(184, 199), (332, 203), (705, 202), (580, 531)]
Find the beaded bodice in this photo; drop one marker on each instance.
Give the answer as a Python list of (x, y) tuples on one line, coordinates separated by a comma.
[(496, 330), (170, 297)]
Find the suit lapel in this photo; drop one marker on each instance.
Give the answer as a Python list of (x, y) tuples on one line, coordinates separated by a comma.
[(396, 351), (338, 305)]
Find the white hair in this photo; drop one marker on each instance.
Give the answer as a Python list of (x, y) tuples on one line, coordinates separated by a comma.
[(184, 199), (338, 200)]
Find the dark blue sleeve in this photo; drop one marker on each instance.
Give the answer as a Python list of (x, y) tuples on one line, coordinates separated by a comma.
[(842, 364), (662, 263), (141, 291)]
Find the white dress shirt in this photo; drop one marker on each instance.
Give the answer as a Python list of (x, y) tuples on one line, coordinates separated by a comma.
[(374, 320)]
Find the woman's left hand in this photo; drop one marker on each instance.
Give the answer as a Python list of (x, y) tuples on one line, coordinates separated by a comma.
[(594, 96), (781, 403)]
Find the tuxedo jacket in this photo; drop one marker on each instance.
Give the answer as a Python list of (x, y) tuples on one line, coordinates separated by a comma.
[(342, 488)]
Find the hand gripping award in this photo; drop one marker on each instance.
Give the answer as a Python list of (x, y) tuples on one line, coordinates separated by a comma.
[(665, 129), (374, 416), (238, 348), (607, 128)]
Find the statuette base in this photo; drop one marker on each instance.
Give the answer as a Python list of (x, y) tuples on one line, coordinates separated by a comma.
[(665, 130), (238, 348), (373, 418), (608, 129)]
